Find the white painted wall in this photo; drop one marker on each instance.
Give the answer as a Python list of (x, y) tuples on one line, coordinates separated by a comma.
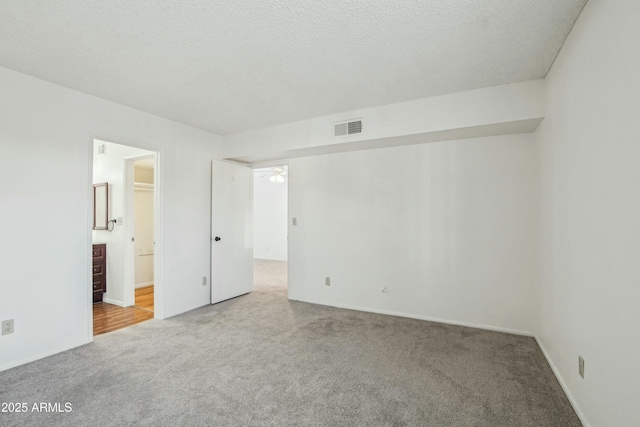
[(269, 217), (109, 167), (447, 227), (589, 275), (46, 134)]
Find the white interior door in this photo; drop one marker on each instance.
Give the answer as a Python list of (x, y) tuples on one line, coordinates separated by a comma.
[(231, 231)]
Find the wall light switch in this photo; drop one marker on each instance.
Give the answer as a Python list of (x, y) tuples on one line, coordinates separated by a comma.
[(294, 221)]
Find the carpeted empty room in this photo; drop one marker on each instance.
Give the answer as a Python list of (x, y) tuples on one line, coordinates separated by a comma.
[(262, 360)]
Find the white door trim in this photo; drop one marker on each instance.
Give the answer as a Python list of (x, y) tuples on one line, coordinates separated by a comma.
[(158, 270), (89, 266)]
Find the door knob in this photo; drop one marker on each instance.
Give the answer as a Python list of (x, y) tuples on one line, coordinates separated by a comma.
[(217, 239)]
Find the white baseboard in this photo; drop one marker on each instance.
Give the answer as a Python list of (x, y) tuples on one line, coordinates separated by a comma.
[(41, 356), (142, 285), (114, 302), (438, 320), (427, 318), (564, 386)]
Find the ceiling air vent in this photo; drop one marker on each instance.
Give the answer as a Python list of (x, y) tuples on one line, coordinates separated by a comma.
[(347, 128)]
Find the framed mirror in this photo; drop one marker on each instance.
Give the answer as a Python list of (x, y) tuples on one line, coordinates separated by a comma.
[(100, 206)]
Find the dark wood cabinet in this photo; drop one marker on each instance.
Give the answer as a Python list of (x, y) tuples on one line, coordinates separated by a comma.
[(99, 271)]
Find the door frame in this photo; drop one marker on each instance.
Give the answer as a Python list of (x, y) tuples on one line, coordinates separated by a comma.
[(272, 164), (158, 270), (129, 227)]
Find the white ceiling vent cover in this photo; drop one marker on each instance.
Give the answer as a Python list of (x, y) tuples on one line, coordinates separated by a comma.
[(351, 127)]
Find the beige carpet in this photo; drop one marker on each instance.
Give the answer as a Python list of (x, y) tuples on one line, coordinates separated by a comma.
[(261, 360)]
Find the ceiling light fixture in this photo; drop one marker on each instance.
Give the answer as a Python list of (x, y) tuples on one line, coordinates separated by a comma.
[(277, 175)]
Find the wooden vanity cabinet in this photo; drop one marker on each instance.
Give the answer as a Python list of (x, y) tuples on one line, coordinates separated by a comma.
[(99, 271)]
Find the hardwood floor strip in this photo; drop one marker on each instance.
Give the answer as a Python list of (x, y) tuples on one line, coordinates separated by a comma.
[(109, 317), (144, 298)]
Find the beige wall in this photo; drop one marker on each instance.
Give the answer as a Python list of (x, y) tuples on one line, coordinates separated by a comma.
[(143, 248), (143, 217), (143, 174)]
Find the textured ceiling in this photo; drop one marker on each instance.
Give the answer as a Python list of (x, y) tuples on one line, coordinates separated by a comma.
[(228, 66)]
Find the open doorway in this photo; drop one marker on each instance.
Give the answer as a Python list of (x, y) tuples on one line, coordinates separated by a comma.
[(143, 253), (270, 241), (115, 305)]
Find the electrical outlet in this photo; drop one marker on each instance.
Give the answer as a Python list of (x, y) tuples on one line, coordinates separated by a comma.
[(581, 366), (204, 280), (327, 281), (385, 290), (7, 327)]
